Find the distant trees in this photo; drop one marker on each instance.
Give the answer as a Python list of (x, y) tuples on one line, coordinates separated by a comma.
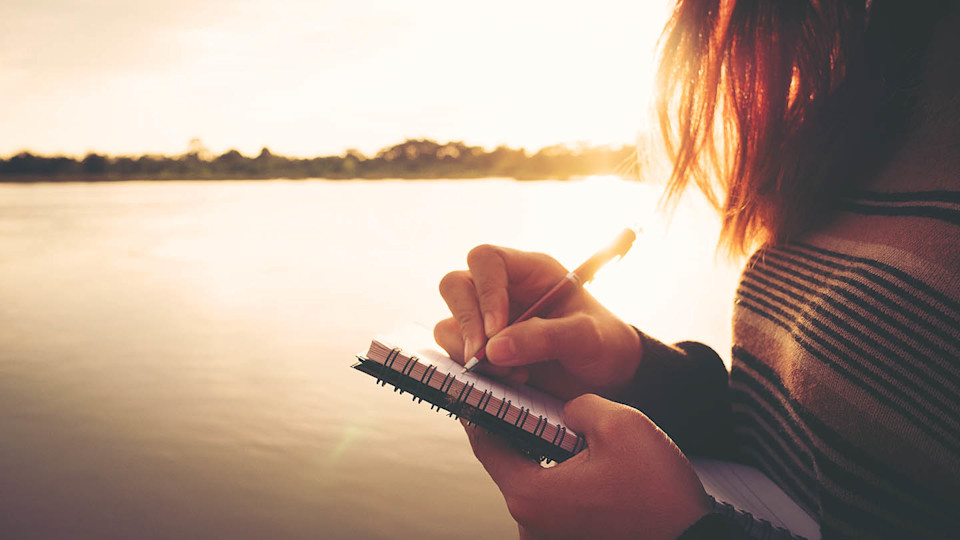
[(26, 163), (94, 164), (413, 158)]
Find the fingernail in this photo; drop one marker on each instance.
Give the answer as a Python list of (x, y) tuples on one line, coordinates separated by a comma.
[(468, 349), (490, 323), (501, 349)]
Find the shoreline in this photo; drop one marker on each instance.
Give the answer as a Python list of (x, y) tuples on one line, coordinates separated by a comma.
[(92, 179)]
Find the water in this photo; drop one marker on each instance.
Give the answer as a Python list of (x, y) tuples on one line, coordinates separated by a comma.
[(174, 356)]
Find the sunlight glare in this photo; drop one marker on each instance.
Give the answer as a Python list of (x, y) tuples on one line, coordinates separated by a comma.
[(671, 248)]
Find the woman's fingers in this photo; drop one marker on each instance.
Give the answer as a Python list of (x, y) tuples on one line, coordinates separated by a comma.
[(597, 353), (538, 340), (488, 268), (447, 334), (480, 298), (458, 291), (503, 275), (599, 420)]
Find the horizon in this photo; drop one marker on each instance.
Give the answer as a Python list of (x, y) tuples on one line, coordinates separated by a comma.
[(319, 78), (421, 158), (198, 147)]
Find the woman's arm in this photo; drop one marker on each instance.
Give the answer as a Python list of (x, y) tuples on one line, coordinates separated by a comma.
[(683, 388)]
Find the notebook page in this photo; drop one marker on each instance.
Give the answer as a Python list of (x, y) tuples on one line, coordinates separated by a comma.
[(419, 341), (750, 490)]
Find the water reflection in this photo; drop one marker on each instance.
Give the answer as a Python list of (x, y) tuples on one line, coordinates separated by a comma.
[(174, 356)]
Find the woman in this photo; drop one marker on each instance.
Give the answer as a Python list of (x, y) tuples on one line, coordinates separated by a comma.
[(827, 131)]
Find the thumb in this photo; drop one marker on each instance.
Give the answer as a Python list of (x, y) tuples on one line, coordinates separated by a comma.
[(601, 421), (538, 340)]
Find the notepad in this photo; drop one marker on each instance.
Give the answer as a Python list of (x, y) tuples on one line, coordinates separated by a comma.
[(530, 419), (533, 421)]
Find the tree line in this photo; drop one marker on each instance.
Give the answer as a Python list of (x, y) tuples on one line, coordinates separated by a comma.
[(413, 158)]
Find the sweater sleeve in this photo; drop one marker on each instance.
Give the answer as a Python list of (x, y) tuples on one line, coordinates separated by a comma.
[(727, 523), (713, 527), (683, 388)]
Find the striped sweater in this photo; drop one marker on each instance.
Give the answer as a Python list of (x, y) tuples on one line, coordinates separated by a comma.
[(845, 380), (845, 384)]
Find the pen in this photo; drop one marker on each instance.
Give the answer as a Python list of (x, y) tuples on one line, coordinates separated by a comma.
[(567, 284)]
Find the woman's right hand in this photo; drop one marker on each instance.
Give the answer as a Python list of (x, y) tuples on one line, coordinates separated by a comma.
[(578, 347)]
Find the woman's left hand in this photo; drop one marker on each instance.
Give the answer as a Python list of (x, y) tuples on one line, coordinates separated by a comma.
[(630, 482)]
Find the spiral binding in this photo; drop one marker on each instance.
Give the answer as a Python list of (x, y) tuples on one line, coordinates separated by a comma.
[(387, 364), (465, 398), (444, 387), (541, 426), (562, 432), (455, 409), (505, 405), (533, 443), (483, 405), (428, 375), (577, 445), (411, 362), (521, 419)]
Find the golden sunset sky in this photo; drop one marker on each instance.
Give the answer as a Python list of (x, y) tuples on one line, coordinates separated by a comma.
[(316, 77)]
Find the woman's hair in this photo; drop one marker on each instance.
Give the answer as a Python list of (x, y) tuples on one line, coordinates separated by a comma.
[(775, 108)]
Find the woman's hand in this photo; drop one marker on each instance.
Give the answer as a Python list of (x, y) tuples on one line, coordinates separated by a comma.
[(579, 347), (630, 482)]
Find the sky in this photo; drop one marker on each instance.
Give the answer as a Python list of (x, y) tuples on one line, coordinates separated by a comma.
[(318, 77)]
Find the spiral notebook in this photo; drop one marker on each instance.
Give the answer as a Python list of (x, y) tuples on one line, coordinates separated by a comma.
[(530, 419)]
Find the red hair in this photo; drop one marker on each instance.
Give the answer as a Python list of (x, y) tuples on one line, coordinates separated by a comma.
[(773, 108)]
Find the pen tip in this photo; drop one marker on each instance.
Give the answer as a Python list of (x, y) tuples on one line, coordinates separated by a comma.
[(472, 363)]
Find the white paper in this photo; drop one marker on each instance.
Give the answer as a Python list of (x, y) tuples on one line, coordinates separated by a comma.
[(752, 491)]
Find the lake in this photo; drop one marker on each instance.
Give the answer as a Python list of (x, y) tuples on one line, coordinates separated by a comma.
[(174, 356)]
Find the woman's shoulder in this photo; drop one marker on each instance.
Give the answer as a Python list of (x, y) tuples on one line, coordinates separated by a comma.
[(881, 277), (888, 254), (850, 334), (908, 236), (906, 220)]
